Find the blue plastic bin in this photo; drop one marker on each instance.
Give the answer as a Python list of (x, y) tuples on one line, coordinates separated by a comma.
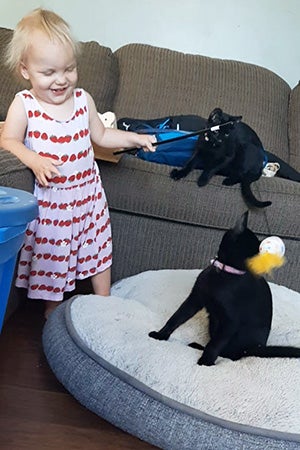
[(17, 209)]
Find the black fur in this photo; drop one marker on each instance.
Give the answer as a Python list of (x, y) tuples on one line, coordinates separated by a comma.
[(285, 171), (239, 306), (234, 151)]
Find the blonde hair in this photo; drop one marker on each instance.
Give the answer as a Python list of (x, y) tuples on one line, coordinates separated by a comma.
[(56, 28)]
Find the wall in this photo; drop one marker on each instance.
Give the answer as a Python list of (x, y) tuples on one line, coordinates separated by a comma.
[(263, 32)]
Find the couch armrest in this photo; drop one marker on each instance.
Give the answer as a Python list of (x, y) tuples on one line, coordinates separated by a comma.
[(294, 127)]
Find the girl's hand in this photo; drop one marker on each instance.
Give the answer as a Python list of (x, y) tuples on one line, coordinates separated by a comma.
[(44, 168), (145, 141)]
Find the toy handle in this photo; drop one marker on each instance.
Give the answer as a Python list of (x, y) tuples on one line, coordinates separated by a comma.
[(178, 138)]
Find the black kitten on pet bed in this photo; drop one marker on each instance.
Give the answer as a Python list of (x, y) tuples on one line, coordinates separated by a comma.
[(234, 151), (238, 302)]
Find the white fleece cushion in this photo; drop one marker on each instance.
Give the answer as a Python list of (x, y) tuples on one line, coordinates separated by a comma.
[(260, 392)]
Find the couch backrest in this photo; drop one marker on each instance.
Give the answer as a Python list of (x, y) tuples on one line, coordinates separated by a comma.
[(98, 73), (156, 82), (97, 70)]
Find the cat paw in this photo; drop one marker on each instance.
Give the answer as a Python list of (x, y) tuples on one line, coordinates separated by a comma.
[(204, 361), (176, 174), (228, 182), (157, 335), (196, 346), (202, 182)]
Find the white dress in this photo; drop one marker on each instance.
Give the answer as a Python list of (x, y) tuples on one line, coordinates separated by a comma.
[(71, 238)]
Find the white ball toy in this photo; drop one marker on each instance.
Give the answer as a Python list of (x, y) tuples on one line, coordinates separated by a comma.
[(272, 244)]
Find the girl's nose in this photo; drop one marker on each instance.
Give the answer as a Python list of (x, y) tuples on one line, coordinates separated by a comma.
[(61, 78)]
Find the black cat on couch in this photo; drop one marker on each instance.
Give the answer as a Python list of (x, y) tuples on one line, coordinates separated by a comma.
[(232, 148)]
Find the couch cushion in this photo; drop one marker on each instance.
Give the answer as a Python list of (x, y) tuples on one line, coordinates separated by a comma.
[(13, 173), (145, 188), (156, 82)]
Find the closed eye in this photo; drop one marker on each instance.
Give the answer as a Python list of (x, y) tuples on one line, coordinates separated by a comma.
[(70, 69), (48, 73)]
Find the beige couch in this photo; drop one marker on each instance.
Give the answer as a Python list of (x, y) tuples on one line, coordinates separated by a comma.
[(157, 222)]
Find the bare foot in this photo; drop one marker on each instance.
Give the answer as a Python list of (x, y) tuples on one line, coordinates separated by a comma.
[(49, 307)]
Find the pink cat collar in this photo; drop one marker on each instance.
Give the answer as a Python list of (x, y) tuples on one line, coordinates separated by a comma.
[(226, 268)]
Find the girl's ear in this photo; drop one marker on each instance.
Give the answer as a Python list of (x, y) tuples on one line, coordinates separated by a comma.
[(24, 71)]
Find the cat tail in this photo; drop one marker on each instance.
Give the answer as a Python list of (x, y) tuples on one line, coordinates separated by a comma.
[(285, 171), (273, 351), (249, 196)]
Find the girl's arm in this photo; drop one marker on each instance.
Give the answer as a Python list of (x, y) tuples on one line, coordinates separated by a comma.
[(112, 138), (12, 138)]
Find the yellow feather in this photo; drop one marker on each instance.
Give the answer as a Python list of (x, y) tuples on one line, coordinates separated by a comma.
[(264, 263)]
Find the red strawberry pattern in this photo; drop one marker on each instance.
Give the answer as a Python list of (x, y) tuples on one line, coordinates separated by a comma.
[(71, 238)]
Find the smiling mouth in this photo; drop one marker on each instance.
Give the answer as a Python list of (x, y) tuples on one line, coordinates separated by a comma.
[(59, 90)]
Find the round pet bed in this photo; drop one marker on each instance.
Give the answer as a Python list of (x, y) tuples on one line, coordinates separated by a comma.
[(98, 347)]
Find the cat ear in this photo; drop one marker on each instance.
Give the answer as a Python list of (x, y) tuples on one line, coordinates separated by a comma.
[(236, 118), (241, 223), (216, 116)]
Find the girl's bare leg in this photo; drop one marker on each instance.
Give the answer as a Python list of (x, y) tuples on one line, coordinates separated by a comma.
[(101, 282), (49, 307)]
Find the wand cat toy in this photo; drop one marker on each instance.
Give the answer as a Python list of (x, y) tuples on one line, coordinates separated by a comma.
[(134, 150)]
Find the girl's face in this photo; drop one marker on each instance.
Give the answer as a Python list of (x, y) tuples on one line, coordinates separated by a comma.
[(51, 69)]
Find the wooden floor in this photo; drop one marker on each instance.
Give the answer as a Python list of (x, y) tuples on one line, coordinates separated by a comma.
[(36, 412)]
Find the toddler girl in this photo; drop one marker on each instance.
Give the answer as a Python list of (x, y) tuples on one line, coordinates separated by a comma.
[(50, 128)]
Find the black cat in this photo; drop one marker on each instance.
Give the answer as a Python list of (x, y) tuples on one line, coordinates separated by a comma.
[(234, 151), (238, 303)]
